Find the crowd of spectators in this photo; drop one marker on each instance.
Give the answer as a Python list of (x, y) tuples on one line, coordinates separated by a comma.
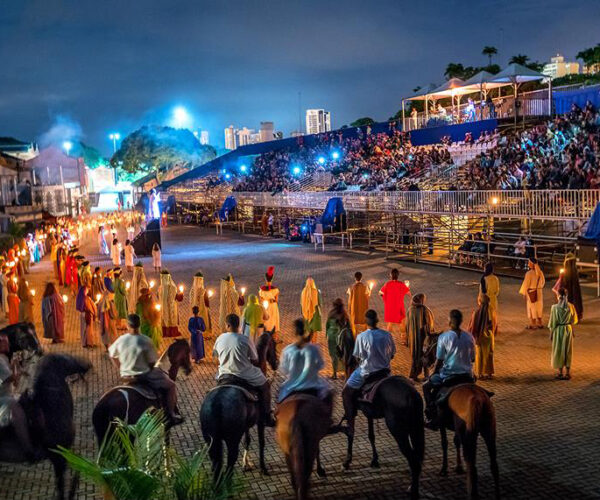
[(563, 153)]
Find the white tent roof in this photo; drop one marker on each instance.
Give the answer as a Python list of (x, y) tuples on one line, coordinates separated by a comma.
[(422, 94), (516, 73), (484, 80)]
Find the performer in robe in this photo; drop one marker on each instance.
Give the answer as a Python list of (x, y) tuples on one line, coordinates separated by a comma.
[(393, 293), (168, 297), (358, 304), (4, 289), (196, 327), (532, 289), (156, 257), (69, 266), (230, 302), (61, 255), (419, 325), (254, 317), (102, 245), (149, 312), (129, 256), (107, 314), (563, 316), (199, 297), (25, 301), (569, 280), (483, 329), (310, 301), (85, 273), (270, 294), (120, 299), (53, 315), (12, 298), (138, 282), (97, 282), (490, 285), (115, 252)]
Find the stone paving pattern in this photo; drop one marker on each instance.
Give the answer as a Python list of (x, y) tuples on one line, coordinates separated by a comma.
[(548, 431)]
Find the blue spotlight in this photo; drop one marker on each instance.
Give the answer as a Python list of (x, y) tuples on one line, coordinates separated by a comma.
[(296, 170), (227, 176), (365, 176), (335, 155), (321, 160), (243, 168)]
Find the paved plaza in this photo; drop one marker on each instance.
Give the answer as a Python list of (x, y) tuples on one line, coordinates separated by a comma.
[(548, 431)]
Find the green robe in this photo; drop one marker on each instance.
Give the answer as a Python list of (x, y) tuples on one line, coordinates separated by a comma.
[(154, 333), (120, 298), (562, 317), (314, 324), (333, 330)]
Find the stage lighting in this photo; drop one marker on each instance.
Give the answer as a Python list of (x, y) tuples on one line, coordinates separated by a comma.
[(365, 176), (321, 160), (67, 145), (227, 176), (335, 155), (296, 170), (243, 168)]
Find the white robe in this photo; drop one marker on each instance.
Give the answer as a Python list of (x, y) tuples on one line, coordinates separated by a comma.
[(534, 280), (272, 323)]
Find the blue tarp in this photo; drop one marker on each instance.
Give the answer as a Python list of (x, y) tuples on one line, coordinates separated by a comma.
[(564, 100), (593, 229), (228, 208), (433, 135), (334, 214)]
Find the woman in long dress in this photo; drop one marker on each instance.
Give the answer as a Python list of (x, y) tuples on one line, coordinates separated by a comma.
[(419, 325), (310, 301), (90, 313), (149, 312), (254, 317), (482, 327), (102, 245), (53, 315), (168, 297), (25, 301), (138, 282), (270, 294), (199, 298), (490, 285), (107, 314), (230, 302), (156, 258), (12, 298), (120, 298), (337, 320), (563, 316), (129, 256), (569, 280), (115, 252)]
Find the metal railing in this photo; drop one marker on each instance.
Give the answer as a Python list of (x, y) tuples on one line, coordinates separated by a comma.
[(547, 204)]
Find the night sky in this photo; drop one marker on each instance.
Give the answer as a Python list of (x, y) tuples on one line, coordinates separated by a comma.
[(92, 67)]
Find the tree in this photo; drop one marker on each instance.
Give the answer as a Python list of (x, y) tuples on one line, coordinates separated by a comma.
[(361, 122), (154, 147), (591, 58), (454, 70), (489, 52), (91, 156), (521, 59)]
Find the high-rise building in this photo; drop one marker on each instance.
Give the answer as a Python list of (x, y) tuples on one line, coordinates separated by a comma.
[(246, 136), (231, 137), (558, 67), (204, 137), (267, 131), (296, 133), (317, 121)]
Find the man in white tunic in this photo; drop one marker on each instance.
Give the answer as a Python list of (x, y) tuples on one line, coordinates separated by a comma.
[(532, 290)]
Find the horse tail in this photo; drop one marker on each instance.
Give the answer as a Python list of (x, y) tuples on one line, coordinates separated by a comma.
[(475, 415)]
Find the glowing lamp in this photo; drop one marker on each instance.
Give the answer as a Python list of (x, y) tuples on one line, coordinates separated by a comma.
[(265, 304), (128, 285), (495, 200), (15, 279), (243, 290), (180, 288), (65, 298), (296, 170), (210, 293), (32, 292), (407, 283), (243, 168), (321, 160), (335, 155), (98, 297), (152, 283), (371, 285), (227, 176), (157, 307), (562, 271)]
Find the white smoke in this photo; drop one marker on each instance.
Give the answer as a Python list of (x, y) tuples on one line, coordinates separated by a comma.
[(63, 129)]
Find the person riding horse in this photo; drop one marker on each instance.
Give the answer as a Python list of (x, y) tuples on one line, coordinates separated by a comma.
[(237, 366), (12, 413), (135, 357), (374, 349), (454, 365)]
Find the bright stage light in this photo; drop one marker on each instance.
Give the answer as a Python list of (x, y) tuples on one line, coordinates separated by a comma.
[(67, 145), (321, 160), (181, 118), (243, 168), (227, 176), (335, 155), (296, 170)]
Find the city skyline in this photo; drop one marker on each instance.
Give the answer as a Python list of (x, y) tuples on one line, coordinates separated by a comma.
[(354, 62)]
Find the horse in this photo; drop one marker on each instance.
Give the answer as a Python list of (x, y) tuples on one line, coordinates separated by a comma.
[(470, 412), (127, 403), (49, 410), (226, 415), (401, 405), (302, 421), (22, 337)]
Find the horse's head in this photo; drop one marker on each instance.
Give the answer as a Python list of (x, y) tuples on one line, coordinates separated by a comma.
[(429, 350), (267, 350), (22, 337), (61, 366), (179, 357)]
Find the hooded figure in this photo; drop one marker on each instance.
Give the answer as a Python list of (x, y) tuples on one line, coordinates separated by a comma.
[(482, 329), (97, 282), (53, 315), (138, 282), (25, 301), (230, 303), (102, 245), (120, 297), (569, 280), (254, 316), (168, 296), (107, 314), (310, 300), (149, 312), (419, 325), (199, 298), (270, 293)]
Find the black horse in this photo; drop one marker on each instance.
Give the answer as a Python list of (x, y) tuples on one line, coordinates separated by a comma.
[(401, 405), (49, 410), (22, 337), (127, 403), (227, 415)]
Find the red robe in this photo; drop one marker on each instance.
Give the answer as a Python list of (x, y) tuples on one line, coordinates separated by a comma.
[(393, 301), (68, 270)]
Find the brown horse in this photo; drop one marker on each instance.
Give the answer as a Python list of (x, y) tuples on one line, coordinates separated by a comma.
[(49, 409), (302, 421), (470, 413), (401, 405), (226, 415), (128, 404)]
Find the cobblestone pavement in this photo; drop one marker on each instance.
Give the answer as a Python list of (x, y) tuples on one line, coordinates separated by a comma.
[(548, 443)]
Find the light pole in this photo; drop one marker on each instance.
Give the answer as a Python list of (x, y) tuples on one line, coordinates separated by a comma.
[(114, 137)]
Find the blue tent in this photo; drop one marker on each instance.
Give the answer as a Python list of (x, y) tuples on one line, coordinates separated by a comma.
[(593, 229), (228, 208), (334, 215)]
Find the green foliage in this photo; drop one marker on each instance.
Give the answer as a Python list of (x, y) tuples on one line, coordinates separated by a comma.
[(16, 230), (154, 147), (590, 56), (361, 122), (91, 156), (582, 79), (134, 463), (489, 52)]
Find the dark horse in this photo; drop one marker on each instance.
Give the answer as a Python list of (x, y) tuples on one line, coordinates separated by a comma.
[(401, 405), (227, 415), (49, 409), (469, 412), (302, 421), (22, 337), (127, 404)]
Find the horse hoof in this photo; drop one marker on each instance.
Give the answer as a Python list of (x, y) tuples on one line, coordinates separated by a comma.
[(346, 465), (264, 471), (375, 464), (443, 472), (459, 469), (321, 472)]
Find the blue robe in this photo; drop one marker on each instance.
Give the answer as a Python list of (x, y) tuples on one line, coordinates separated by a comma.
[(196, 328)]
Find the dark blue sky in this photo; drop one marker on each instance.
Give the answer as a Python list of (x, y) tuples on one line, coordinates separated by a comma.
[(115, 64)]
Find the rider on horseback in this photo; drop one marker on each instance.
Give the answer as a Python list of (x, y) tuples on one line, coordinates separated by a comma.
[(454, 365), (237, 366), (11, 412), (374, 350), (300, 363), (135, 356)]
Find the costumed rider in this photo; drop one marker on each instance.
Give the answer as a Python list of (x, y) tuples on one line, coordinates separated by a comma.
[(135, 356), (454, 365), (374, 349), (238, 361)]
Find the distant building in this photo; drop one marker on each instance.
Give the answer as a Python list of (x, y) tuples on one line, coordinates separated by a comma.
[(247, 136), (558, 67), (18, 149), (231, 137), (204, 138), (317, 121), (590, 69), (267, 131)]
